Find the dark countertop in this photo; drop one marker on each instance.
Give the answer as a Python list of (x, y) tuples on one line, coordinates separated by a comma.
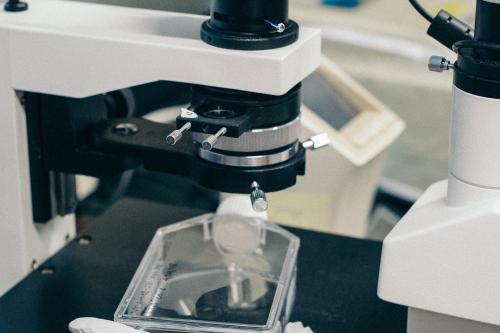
[(337, 277)]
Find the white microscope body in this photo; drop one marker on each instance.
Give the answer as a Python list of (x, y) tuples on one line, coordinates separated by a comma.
[(442, 260), (74, 49), (443, 256)]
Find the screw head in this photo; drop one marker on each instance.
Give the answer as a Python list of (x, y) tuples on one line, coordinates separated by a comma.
[(49, 270), (260, 205), (84, 240), (186, 113), (126, 129), (170, 140), (206, 145), (15, 6), (281, 27)]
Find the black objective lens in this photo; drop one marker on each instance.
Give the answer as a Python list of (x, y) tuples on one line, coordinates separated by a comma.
[(249, 25)]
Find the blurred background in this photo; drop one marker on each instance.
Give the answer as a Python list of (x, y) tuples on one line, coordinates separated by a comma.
[(383, 45)]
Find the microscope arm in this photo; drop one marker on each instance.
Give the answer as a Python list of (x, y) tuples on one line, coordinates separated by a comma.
[(86, 136)]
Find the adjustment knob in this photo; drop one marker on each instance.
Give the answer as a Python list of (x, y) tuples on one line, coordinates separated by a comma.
[(258, 198), (439, 64)]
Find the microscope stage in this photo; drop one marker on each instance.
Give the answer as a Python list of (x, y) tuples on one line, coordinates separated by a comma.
[(336, 282)]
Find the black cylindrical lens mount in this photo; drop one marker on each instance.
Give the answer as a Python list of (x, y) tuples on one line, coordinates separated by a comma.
[(249, 25), (487, 21)]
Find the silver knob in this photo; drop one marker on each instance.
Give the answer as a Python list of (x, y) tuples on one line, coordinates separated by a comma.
[(439, 64), (211, 141), (280, 27), (176, 135), (126, 129), (186, 113), (317, 141), (258, 198)]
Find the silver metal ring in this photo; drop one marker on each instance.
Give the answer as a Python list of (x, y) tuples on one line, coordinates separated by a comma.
[(249, 161), (257, 139)]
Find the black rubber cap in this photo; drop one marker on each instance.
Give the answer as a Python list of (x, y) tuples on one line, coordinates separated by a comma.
[(249, 25), (15, 6), (250, 41)]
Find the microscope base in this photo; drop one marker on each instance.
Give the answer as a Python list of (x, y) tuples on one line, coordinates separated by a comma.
[(421, 321), (444, 259)]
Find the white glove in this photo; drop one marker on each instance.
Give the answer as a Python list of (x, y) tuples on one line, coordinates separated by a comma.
[(94, 325), (297, 328)]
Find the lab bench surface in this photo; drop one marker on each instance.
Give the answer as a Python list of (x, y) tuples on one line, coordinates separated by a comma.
[(336, 287)]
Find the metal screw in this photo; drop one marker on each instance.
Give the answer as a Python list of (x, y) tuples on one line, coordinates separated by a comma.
[(15, 6), (84, 240), (258, 198), (317, 141), (211, 141), (280, 27), (439, 64), (176, 135), (126, 129), (47, 270), (186, 113)]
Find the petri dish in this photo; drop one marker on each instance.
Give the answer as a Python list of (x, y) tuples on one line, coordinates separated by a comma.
[(214, 274)]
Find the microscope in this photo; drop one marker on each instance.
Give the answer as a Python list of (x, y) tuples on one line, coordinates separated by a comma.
[(441, 260), (69, 71)]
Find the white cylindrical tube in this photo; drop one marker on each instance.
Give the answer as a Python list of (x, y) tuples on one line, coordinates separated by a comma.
[(474, 161), (239, 204), (237, 228)]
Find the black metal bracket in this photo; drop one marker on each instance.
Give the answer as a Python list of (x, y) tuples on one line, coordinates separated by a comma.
[(60, 139), (239, 111), (235, 124), (147, 144), (97, 136)]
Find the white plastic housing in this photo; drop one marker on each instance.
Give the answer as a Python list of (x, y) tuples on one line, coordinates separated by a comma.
[(443, 257), (75, 49), (475, 136)]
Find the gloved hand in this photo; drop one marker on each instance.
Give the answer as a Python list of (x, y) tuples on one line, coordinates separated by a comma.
[(297, 327), (94, 325)]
